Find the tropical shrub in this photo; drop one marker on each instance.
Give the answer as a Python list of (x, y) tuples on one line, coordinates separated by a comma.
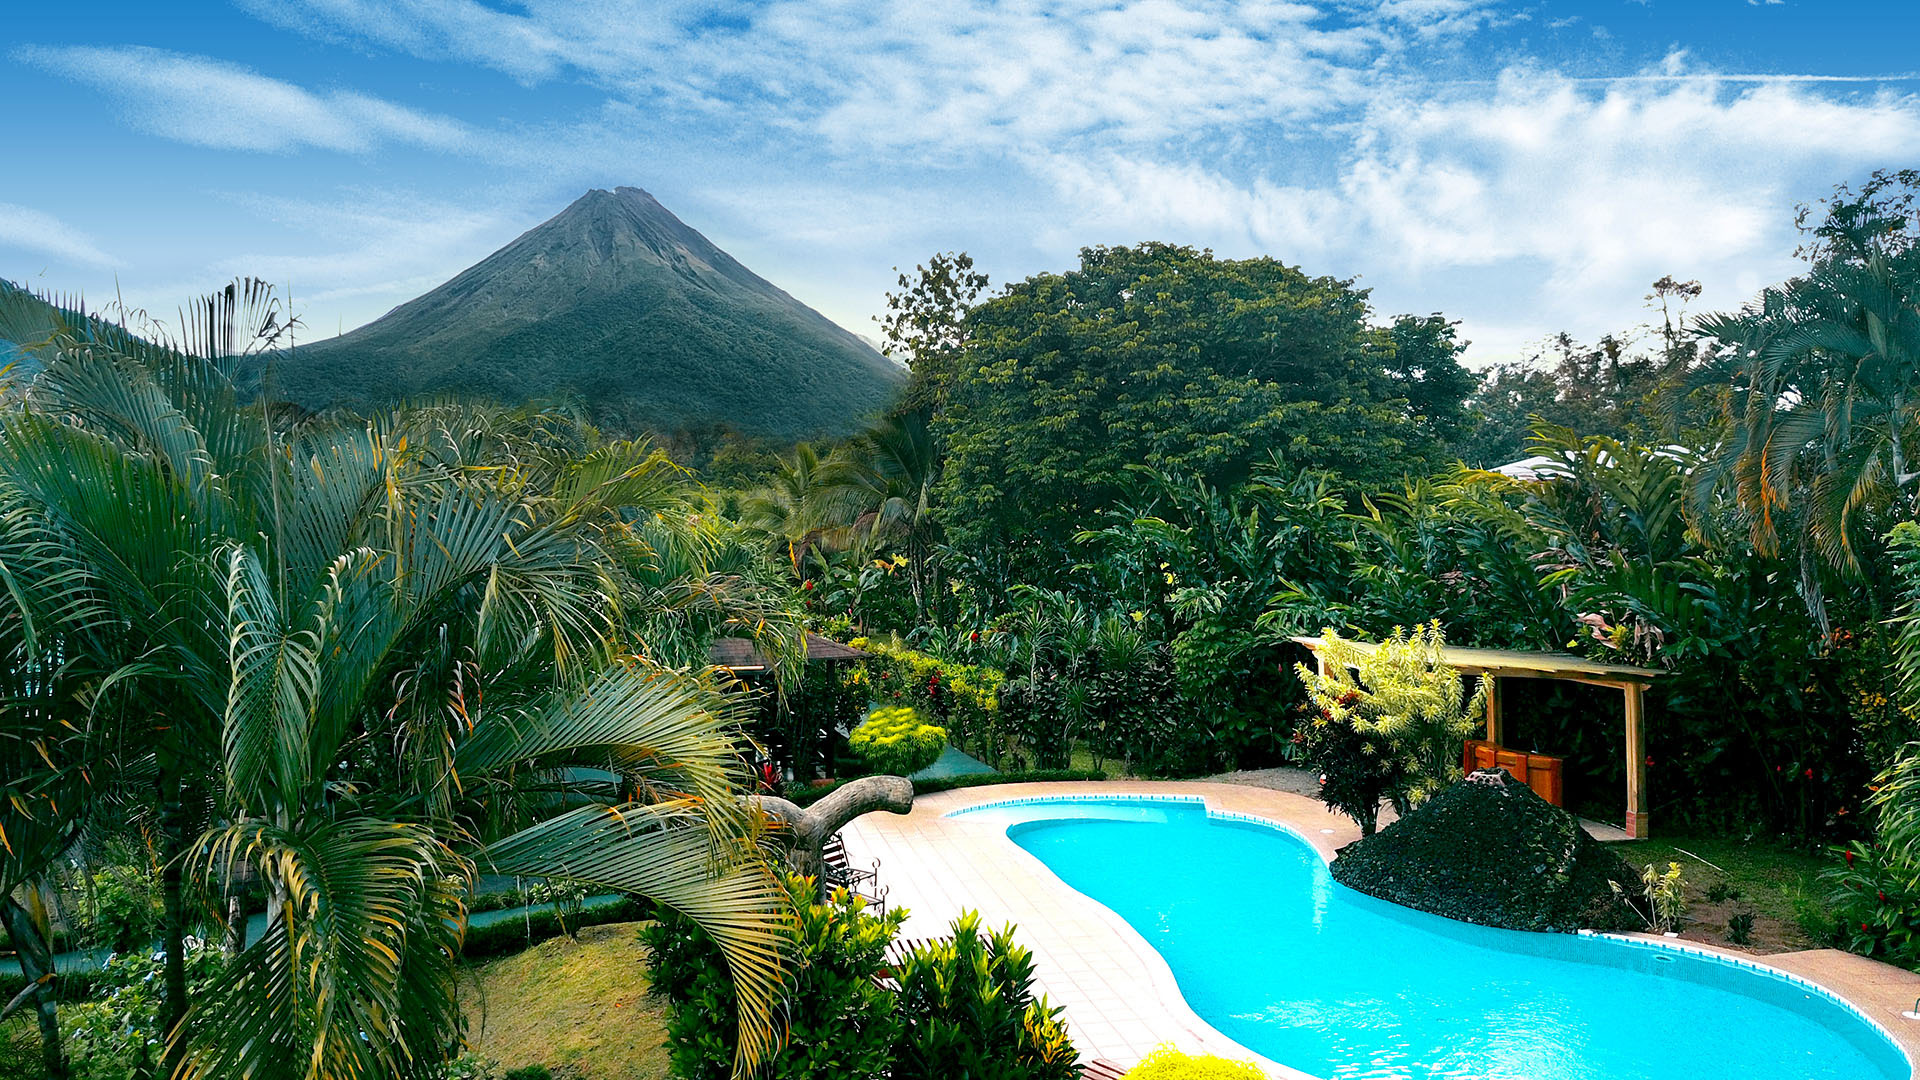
[(967, 1012), (1664, 893), (896, 741), (1357, 770), (1168, 1063), (840, 1024), (1740, 928), (116, 1034), (1401, 698)]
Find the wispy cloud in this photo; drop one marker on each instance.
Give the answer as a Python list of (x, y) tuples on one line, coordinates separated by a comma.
[(947, 80), (44, 234), (217, 104), (367, 243)]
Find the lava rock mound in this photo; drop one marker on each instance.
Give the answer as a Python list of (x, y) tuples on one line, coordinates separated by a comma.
[(1488, 850)]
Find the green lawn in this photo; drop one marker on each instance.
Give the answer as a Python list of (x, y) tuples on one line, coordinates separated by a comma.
[(579, 1007), (1777, 882)]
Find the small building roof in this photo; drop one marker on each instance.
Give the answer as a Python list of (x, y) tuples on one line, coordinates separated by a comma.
[(1521, 664), (739, 654)]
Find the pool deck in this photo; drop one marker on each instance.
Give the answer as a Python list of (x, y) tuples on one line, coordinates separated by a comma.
[(1120, 996)]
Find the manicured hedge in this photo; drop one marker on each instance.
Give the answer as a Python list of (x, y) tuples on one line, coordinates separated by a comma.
[(804, 795), (1031, 776), (521, 932)]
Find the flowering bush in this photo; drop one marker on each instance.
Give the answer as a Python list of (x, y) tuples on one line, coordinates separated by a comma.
[(1877, 885), (897, 741)]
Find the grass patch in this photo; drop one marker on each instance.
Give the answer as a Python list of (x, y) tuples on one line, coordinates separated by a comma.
[(579, 1007), (1778, 882), (1083, 761)]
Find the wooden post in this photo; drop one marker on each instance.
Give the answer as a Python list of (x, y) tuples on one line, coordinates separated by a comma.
[(1493, 709), (1639, 822)]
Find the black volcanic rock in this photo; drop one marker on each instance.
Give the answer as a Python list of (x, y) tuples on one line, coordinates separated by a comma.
[(619, 304), (1489, 850)]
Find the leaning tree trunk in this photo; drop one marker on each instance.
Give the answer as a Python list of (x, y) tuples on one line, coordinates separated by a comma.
[(809, 829), (33, 944)]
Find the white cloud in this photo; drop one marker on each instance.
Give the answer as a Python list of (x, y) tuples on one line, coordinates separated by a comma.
[(45, 234), (1310, 131), (1580, 193), (217, 104)]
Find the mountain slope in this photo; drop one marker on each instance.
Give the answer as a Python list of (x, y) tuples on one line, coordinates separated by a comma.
[(620, 304)]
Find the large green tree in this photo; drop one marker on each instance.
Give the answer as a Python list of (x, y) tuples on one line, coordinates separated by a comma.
[(1166, 357)]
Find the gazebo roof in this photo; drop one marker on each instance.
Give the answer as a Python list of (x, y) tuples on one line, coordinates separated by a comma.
[(739, 655), (1517, 663)]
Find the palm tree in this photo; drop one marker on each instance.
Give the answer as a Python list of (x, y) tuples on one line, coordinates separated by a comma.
[(811, 499), (364, 658), (895, 465), (1827, 424)]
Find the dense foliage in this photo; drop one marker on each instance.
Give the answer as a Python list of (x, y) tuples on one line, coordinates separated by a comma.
[(968, 1012), (1402, 702), (963, 1006), (339, 665), (964, 698)]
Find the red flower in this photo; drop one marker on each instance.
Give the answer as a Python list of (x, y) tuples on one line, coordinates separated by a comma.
[(1649, 759), (974, 637), (1863, 928), (807, 585), (1849, 858), (1883, 896), (1808, 774)]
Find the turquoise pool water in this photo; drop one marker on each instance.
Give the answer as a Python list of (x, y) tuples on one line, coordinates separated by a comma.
[(1276, 955)]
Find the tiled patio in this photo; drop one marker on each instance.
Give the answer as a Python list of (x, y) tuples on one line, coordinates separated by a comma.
[(1120, 997)]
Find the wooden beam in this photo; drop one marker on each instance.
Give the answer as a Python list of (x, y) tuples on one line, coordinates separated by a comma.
[(1493, 709), (1639, 822)]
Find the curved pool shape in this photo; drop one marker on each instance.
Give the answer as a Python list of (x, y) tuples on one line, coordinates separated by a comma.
[(1272, 952)]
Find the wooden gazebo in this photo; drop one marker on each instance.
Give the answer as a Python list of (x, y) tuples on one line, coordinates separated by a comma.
[(1498, 664), (738, 654)]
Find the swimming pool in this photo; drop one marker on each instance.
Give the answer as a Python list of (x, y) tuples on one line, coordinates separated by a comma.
[(1277, 956)]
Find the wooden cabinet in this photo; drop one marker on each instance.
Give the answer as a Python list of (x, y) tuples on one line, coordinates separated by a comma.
[(1542, 772)]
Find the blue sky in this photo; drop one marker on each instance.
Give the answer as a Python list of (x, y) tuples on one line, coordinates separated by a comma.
[(1526, 167)]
